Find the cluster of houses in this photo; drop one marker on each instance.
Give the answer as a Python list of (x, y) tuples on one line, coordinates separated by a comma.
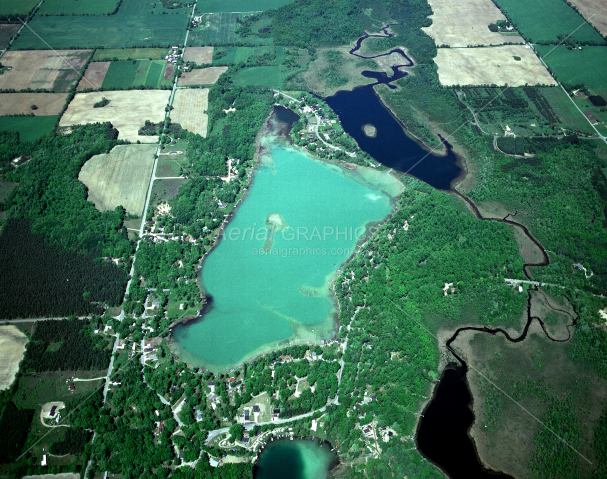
[(172, 56)]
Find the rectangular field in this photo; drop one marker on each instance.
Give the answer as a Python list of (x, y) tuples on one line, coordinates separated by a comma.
[(164, 190), (215, 28), (225, 6), (30, 128), (42, 69), (201, 76), (20, 103), (466, 23), (77, 7), (515, 65), (127, 111), (259, 76), (595, 11), (198, 55), (190, 109), (132, 26), (120, 177), (12, 7), (228, 55), (570, 116), (93, 76), (7, 30), (12, 347), (545, 20), (571, 67), (122, 75), (130, 54)]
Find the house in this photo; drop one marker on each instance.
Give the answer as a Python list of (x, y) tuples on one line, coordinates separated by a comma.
[(256, 408), (72, 387), (198, 415), (160, 427), (276, 412), (53, 409), (212, 386), (246, 414), (213, 462), (43, 462)]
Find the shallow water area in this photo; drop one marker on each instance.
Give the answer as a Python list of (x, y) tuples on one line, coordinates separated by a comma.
[(269, 277), (297, 459)]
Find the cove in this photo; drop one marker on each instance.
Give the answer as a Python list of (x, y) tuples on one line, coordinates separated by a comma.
[(297, 459), (269, 277)]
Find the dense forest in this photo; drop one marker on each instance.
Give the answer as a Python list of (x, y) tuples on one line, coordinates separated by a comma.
[(42, 280), (73, 443), (16, 422)]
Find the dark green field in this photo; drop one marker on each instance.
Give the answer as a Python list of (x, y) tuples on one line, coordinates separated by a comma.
[(238, 54), (21, 7), (545, 20), (123, 75), (130, 54), (30, 128), (221, 29), (226, 6), (572, 67), (77, 7), (133, 26), (259, 76)]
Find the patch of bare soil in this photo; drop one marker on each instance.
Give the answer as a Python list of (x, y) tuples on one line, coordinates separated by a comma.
[(201, 76), (595, 11), (198, 55), (94, 76)]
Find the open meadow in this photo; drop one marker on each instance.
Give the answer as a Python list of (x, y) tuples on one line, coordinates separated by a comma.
[(201, 76), (122, 75), (227, 55), (127, 111), (133, 25), (77, 7), (93, 76), (42, 69), (259, 76), (198, 55), (595, 11), (47, 104), (30, 128), (545, 20), (12, 347), (514, 65), (190, 109), (130, 54), (7, 30), (466, 23), (171, 159), (120, 177), (216, 28), (586, 67), (224, 6), (22, 7)]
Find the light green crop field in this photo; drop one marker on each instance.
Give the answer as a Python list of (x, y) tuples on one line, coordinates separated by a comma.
[(133, 25), (130, 54), (259, 76), (569, 115), (226, 6), (587, 66), (13, 7), (77, 7), (544, 20), (123, 75), (30, 128)]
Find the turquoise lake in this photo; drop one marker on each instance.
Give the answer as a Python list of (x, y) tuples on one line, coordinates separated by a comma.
[(297, 459), (270, 275)]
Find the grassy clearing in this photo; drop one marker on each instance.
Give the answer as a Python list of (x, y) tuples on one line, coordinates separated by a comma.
[(237, 54), (11, 7), (30, 128), (259, 76), (122, 75), (170, 164), (220, 28), (545, 20), (177, 309), (129, 54), (77, 7), (133, 25), (570, 117), (166, 189), (572, 67), (226, 6)]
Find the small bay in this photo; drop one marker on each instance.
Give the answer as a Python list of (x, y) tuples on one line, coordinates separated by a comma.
[(269, 276)]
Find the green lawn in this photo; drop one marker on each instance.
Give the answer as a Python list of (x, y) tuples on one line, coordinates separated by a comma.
[(133, 26), (77, 7), (543, 20), (13, 7), (126, 74), (30, 128), (571, 67), (130, 54), (259, 76), (222, 6)]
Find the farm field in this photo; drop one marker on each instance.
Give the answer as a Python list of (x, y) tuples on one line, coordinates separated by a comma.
[(493, 65), (238, 54), (573, 67), (166, 189), (201, 76), (570, 117), (218, 28), (77, 7), (42, 69), (129, 54), (127, 111), (120, 177), (133, 25), (544, 20), (12, 348), (189, 109), (595, 11), (198, 55), (7, 30), (30, 128), (22, 7), (224, 6), (122, 75), (93, 76), (259, 76), (20, 103), (466, 23)]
